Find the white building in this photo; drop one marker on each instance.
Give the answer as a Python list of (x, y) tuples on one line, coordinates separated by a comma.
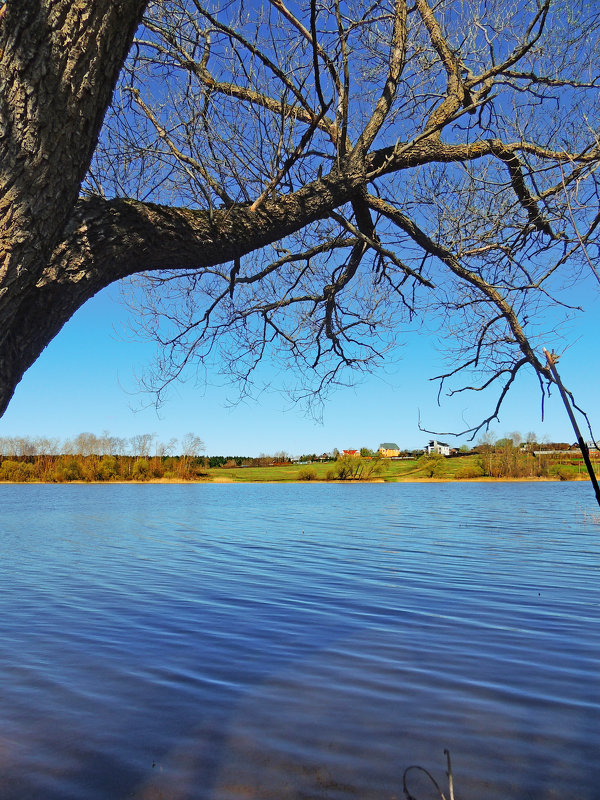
[(438, 447)]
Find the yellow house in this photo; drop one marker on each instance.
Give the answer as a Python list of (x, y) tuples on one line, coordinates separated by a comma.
[(389, 450)]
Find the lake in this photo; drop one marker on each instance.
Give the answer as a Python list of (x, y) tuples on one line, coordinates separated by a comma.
[(227, 642)]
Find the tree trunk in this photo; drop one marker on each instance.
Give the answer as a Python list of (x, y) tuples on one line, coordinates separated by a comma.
[(59, 62)]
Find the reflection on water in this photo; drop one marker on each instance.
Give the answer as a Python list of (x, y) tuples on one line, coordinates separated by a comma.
[(219, 642)]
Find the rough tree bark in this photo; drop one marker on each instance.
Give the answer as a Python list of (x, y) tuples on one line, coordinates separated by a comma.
[(58, 67)]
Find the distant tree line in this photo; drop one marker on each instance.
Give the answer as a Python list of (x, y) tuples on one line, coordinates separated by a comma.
[(68, 468), (89, 444), (89, 457), (511, 456)]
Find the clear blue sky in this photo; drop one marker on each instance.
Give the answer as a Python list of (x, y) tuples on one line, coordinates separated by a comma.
[(86, 381)]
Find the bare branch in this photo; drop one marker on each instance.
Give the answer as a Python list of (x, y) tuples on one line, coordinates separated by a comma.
[(384, 104)]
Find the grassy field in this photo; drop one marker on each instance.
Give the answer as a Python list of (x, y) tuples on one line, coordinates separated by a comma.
[(393, 471)]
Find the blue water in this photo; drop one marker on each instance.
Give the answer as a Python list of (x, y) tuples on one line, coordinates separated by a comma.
[(252, 641)]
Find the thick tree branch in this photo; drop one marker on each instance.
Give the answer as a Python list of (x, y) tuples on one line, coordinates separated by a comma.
[(384, 103)]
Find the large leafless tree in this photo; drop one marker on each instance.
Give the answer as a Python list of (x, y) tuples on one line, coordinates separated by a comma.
[(300, 178)]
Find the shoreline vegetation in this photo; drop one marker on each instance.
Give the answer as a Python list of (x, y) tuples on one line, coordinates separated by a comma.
[(494, 464)]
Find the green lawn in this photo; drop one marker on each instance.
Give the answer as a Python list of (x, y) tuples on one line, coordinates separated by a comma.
[(393, 471)]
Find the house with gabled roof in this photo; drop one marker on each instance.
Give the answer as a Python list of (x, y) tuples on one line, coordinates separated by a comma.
[(388, 450), (353, 453)]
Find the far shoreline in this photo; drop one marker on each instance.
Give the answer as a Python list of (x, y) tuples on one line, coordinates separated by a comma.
[(225, 481)]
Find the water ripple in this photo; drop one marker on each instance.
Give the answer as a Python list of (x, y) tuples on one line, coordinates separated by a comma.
[(216, 642)]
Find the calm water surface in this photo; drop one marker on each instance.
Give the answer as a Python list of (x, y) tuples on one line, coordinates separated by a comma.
[(245, 641)]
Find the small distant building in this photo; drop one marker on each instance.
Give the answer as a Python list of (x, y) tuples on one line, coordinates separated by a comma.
[(438, 447), (353, 453), (388, 450)]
